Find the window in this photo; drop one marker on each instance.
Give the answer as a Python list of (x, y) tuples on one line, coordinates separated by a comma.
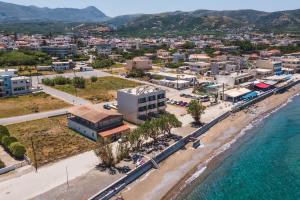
[(161, 104), (142, 100), (141, 109), (161, 96), (151, 98), (152, 106)]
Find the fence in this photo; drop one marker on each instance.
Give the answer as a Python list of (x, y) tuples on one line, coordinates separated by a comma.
[(120, 184)]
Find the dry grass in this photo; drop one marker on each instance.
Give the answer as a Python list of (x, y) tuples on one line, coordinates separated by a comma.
[(52, 139), (101, 91), (28, 104)]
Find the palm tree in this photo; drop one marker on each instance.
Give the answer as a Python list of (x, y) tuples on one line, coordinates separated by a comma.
[(196, 109)]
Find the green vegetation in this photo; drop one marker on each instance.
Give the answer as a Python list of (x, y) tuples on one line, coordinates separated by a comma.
[(246, 46), (102, 90), (134, 140), (196, 109), (103, 63), (17, 58), (11, 144), (17, 149), (52, 139), (288, 49), (188, 45), (153, 129), (27, 104)]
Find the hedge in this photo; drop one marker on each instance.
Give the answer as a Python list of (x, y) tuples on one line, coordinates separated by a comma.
[(7, 140), (17, 149), (3, 132)]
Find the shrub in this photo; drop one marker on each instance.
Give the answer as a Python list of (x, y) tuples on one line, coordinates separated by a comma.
[(94, 79), (79, 82), (48, 81), (17, 149), (3, 132), (60, 80), (7, 140)]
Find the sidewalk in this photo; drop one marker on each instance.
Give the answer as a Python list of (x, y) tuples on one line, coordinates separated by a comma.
[(32, 184), (6, 158)]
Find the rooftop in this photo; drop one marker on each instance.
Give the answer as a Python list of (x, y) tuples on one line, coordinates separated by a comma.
[(237, 92), (142, 90), (91, 114)]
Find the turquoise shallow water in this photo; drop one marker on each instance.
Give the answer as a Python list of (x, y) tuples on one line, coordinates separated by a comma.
[(265, 167)]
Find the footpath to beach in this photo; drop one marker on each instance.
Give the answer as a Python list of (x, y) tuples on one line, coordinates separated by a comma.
[(174, 172)]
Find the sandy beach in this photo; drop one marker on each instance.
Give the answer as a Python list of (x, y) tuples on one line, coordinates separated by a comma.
[(188, 164)]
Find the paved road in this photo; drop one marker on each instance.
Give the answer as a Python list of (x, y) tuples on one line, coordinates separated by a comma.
[(30, 117), (69, 98), (32, 184)]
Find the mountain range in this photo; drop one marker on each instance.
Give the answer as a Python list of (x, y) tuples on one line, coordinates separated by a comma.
[(156, 24), (14, 13)]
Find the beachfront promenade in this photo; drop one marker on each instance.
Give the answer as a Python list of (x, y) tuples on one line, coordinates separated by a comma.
[(119, 185)]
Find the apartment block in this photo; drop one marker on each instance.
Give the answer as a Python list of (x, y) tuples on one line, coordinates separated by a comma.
[(141, 103)]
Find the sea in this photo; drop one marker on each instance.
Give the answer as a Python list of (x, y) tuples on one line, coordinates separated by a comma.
[(265, 166)]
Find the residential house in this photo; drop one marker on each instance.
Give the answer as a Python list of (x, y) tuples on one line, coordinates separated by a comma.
[(94, 123)]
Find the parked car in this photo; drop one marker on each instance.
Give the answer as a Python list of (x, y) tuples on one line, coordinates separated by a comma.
[(106, 106)]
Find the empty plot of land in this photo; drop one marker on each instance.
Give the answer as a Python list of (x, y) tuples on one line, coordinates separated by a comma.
[(52, 139), (28, 104), (102, 90)]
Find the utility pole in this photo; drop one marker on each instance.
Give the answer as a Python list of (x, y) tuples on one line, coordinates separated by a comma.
[(74, 83), (67, 176), (34, 154)]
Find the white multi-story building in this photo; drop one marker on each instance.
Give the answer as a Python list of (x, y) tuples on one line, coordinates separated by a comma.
[(21, 85), (141, 103)]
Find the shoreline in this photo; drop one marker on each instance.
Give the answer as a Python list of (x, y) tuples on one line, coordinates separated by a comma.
[(184, 186), (171, 179)]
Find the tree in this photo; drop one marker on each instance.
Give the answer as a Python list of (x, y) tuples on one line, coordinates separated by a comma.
[(169, 121), (196, 109), (105, 152), (79, 82), (135, 138), (150, 129), (123, 151), (17, 149)]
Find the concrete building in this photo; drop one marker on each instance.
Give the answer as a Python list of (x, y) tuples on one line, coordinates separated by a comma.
[(235, 94), (275, 67), (93, 123), (234, 78), (143, 63), (199, 58), (60, 51), (103, 49), (14, 85), (61, 66), (141, 103), (199, 67), (163, 54), (177, 57), (291, 63)]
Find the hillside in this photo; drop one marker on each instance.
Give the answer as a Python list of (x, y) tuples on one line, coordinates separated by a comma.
[(16, 13), (200, 21)]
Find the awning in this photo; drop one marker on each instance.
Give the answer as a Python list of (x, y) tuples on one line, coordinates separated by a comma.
[(114, 131), (262, 85), (250, 95)]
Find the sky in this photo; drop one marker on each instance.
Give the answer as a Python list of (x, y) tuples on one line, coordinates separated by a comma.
[(121, 7)]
